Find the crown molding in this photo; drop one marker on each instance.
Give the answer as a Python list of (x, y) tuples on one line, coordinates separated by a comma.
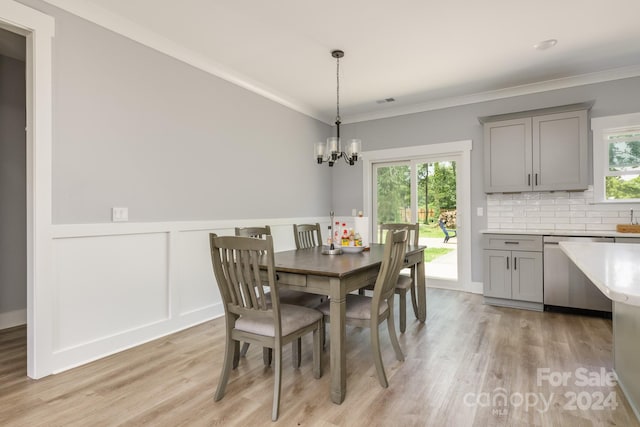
[(140, 34)]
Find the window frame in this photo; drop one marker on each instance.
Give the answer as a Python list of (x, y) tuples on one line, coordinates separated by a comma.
[(601, 128)]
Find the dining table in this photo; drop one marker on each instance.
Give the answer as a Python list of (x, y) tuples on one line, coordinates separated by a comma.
[(309, 270)]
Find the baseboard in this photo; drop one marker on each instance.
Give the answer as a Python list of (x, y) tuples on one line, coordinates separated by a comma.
[(13, 318), (473, 287), (501, 302)]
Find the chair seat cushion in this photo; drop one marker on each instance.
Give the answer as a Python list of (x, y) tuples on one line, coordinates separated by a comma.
[(292, 318), (404, 282), (358, 307)]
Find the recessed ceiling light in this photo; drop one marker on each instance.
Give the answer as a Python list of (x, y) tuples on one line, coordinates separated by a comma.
[(546, 44)]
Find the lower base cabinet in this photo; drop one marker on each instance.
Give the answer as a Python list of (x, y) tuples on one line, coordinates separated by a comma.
[(513, 274)]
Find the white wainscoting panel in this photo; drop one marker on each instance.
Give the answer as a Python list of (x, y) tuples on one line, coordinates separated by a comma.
[(123, 284), (106, 285), (198, 289)]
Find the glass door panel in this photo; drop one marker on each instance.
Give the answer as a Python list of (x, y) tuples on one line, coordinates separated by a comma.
[(392, 193), (424, 191)]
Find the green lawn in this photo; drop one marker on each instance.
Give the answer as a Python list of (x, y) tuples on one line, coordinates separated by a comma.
[(431, 230), (432, 253)]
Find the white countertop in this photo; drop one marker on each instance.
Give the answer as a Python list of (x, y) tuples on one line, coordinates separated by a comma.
[(613, 267), (533, 232)]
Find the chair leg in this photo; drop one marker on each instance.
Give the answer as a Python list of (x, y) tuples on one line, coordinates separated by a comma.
[(245, 348), (277, 386), (414, 298), (317, 349), (236, 354), (229, 356), (324, 332), (377, 355), (266, 356), (296, 352), (392, 334), (403, 311)]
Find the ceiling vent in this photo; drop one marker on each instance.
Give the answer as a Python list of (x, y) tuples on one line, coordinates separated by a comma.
[(384, 101)]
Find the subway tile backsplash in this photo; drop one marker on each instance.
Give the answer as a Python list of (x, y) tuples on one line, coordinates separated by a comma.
[(558, 210)]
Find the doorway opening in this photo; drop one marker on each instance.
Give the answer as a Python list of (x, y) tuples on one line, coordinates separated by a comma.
[(37, 29), (13, 181)]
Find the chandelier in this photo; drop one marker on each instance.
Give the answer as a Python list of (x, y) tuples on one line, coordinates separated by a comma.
[(331, 151)]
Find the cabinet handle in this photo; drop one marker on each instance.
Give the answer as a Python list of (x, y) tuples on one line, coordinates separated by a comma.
[(515, 263), (528, 180), (511, 243), (536, 179), (507, 263)]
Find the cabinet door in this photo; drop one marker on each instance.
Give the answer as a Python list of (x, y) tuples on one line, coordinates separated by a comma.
[(526, 276), (507, 156), (497, 274), (560, 151)]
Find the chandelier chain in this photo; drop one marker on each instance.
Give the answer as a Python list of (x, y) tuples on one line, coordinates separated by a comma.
[(338, 89)]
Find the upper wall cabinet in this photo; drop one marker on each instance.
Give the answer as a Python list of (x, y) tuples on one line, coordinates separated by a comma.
[(535, 151)]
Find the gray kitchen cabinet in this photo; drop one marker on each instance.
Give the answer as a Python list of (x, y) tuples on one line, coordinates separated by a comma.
[(536, 152), (512, 268)]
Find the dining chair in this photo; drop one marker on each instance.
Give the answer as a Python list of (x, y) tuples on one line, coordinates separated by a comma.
[(250, 316), (287, 296), (365, 311), (307, 235), (405, 283)]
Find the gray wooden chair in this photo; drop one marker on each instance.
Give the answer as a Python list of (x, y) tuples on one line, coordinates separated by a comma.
[(405, 283), (287, 296), (369, 312), (252, 317), (307, 235)]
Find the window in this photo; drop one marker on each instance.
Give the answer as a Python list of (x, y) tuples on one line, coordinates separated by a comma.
[(622, 177), (616, 158)]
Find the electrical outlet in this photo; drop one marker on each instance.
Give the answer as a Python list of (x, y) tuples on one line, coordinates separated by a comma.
[(119, 214)]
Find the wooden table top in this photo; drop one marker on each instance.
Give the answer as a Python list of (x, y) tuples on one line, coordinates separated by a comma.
[(312, 261)]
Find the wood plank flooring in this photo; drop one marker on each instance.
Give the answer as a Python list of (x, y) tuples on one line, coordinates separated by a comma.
[(458, 366)]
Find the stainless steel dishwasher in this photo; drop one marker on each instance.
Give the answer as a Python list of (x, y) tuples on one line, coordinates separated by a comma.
[(564, 284)]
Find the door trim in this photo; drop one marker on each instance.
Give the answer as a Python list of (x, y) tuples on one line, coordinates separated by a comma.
[(459, 149), (38, 29)]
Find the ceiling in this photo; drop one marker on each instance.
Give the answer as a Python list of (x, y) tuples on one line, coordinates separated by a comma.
[(423, 53)]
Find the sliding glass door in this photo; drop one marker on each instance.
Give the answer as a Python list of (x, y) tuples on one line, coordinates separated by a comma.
[(422, 190)]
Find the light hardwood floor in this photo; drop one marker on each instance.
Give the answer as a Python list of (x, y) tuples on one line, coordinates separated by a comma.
[(466, 353)]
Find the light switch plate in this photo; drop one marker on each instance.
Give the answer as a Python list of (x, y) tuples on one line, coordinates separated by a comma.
[(480, 211), (119, 214)]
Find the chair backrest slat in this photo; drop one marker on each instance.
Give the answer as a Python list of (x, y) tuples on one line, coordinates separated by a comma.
[(307, 235), (394, 251), (236, 265)]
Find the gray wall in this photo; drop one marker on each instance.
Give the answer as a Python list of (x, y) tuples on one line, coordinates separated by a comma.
[(133, 127), (13, 232), (459, 123)]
